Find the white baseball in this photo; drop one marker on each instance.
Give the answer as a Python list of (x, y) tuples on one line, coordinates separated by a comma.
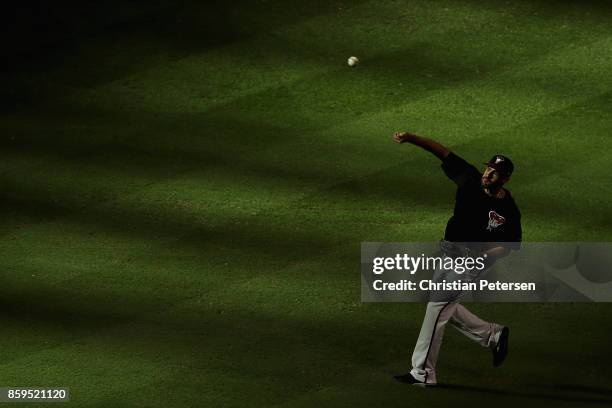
[(352, 61)]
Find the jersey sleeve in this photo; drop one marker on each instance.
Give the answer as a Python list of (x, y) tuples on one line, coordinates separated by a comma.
[(459, 171)]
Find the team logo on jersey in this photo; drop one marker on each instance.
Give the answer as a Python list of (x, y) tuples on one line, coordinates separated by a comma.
[(495, 220)]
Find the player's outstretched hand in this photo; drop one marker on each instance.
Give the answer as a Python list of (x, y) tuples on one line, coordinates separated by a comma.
[(402, 137)]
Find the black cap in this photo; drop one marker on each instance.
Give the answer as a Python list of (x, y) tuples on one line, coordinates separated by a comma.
[(502, 164)]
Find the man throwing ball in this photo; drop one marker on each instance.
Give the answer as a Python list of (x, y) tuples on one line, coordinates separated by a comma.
[(486, 220)]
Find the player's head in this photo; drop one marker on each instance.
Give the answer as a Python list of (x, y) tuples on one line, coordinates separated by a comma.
[(498, 172)]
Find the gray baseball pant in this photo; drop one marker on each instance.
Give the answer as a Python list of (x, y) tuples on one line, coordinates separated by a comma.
[(438, 314)]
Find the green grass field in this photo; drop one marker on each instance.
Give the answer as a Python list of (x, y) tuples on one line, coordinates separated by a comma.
[(185, 187)]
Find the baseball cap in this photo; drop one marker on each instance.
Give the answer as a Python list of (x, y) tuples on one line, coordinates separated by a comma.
[(502, 164)]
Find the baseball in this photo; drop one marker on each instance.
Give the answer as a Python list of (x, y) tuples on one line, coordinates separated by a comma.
[(352, 61)]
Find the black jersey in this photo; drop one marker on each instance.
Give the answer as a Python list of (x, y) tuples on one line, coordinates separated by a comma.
[(479, 217)]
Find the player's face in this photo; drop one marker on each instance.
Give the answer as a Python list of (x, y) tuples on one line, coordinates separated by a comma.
[(492, 178)]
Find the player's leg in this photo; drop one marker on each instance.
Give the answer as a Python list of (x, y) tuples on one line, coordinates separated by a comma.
[(486, 334), (440, 309), (482, 332), (425, 354)]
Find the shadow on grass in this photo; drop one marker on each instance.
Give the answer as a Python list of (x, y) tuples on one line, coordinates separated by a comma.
[(586, 389), (244, 342), (41, 34), (531, 395)]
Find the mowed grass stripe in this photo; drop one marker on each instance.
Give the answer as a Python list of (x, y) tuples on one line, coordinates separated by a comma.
[(267, 59)]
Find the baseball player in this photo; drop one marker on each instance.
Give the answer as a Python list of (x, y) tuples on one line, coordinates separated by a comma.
[(485, 212)]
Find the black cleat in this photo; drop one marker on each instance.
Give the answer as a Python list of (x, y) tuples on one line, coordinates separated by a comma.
[(409, 379), (500, 351)]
